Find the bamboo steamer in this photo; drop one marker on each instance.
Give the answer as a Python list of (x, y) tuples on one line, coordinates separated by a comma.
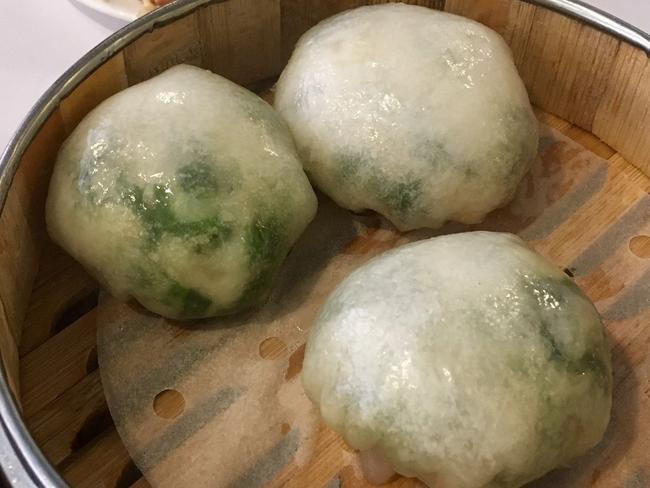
[(588, 76)]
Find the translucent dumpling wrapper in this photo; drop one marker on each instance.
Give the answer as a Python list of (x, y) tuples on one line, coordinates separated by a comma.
[(466, 360), (414, 113), (184, 192)]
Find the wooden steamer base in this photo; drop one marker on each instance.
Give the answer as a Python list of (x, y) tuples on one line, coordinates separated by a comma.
[(592, 219)]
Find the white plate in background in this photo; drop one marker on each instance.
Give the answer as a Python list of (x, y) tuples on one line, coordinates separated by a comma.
[(120, 9)]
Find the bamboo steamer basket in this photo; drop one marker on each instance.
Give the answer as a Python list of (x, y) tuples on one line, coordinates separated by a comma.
[(587, 73)]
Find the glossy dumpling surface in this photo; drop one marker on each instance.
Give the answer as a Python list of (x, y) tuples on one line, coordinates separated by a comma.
[(466, 360), (417, 114), (184, 192)]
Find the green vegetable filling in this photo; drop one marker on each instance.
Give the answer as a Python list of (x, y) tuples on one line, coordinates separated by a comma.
[(197, 177), (350, 164), (519, 147), (159, 219), (265, 240), (432, 152), (156, 285), (550, 296), (189, 301), (402, 196)]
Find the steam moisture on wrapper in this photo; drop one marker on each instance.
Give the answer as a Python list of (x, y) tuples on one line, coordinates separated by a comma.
[(414, 113), (466, 360), (184, 192)]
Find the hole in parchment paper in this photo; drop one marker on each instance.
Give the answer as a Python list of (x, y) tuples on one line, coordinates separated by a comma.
[(295, 363), (272, 348), (168, 404), (640, 246)]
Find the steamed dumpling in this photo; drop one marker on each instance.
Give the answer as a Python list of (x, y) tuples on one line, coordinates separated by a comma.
[(466, 360), (414, 113), (184, 192)]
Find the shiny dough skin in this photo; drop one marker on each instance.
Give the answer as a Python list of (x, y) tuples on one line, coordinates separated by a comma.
[(184, 192), (466, 360), (417, 114)]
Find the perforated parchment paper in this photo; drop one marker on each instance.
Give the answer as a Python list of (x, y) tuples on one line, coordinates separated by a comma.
[(235, 414)]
